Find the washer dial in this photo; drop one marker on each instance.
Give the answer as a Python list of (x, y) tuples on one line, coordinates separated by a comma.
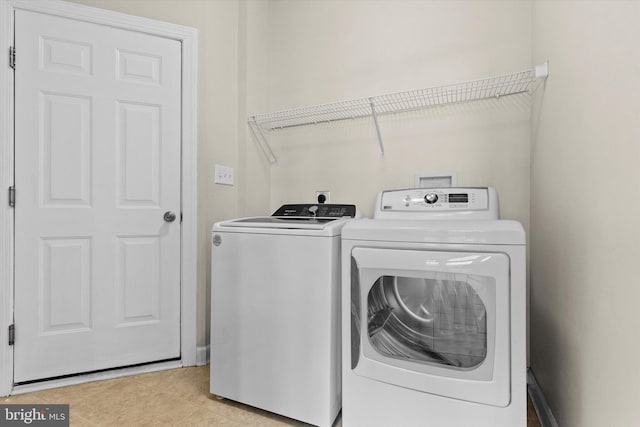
[(431, 198)]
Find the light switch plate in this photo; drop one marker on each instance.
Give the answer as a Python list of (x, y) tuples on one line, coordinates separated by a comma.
[(223, 175)]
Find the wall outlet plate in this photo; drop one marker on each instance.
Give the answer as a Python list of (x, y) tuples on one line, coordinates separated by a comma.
[(223, 175), (326, 195)]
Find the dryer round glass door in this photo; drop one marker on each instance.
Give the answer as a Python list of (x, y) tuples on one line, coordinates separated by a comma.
[(433, 321), (441, 321)]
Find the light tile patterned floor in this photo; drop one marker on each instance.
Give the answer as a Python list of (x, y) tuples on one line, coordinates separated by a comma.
[(175, 397)]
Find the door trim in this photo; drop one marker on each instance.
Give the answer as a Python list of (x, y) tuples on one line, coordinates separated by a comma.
[(188, 38)]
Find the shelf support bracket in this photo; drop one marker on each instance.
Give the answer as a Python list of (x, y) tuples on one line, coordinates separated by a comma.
[(259, 135), (375, 122), (542, 71)]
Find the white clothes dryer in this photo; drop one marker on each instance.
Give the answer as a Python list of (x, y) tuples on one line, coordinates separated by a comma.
[(275, 311), (433, 312)]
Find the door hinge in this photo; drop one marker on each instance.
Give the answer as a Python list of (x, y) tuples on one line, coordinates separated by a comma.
[(12, 196), (12, 334), (12, 57)]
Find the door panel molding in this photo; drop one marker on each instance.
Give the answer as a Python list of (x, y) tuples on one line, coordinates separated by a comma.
[(188, 38)]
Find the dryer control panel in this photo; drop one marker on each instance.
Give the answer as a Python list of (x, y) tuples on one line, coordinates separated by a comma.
[(450, 202)]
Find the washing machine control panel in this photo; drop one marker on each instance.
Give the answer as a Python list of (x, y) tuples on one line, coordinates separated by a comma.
[(435, 199), (316, 210)]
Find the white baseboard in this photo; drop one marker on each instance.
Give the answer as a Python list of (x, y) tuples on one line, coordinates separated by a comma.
[(540, 402), (96, 376), (202, 356)]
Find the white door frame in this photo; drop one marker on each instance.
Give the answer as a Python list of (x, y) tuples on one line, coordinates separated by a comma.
[(189, 38)]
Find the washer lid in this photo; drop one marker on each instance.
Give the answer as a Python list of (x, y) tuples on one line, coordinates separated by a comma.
[(306, 223), (486, 232), (310, 219), (319, 227)]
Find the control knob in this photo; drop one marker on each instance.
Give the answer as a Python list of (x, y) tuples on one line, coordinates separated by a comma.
[(431, 198)]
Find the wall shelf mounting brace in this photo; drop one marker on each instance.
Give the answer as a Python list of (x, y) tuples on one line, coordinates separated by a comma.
[(496, 87)]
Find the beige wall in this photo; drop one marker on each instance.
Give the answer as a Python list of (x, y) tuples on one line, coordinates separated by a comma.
[(585, 208), (254, 183), (328, 51)]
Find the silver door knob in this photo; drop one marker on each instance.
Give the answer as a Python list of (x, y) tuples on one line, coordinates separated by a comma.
[(169, 216)]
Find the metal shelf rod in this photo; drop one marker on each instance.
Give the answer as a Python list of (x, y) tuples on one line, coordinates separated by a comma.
[(401, 102)]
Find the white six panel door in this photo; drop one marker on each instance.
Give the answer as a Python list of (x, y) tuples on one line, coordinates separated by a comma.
[(97, 161)]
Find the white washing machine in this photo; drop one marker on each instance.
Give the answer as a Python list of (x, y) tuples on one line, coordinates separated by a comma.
[(433, 312), (275, 311)]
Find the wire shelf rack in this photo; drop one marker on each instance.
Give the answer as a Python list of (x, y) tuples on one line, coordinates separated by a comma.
[(489, 88)]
